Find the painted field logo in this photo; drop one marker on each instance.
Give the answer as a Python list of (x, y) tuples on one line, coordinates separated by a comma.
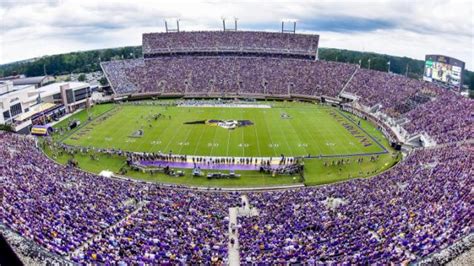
[(227, 124)]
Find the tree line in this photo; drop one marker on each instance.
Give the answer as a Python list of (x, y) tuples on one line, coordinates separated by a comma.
[(88, 61)]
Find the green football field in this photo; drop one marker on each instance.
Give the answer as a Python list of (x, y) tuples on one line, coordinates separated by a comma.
[(309, 129), (289, 129)]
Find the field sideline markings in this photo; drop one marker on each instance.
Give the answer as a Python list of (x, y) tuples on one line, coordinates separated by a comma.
[(110, 120), (363, 130), (357, 166), (63, 138), (114, 124)]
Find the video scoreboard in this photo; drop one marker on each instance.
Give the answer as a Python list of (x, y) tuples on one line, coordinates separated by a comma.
[(444, 69)]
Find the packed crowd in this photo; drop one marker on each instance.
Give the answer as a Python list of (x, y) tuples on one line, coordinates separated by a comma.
[(90, 218), (235, 41), (174, 226), (228, 76), (57, 207), (417, 208), (448, 118), (420, 206), (441, 114), (390, 90)]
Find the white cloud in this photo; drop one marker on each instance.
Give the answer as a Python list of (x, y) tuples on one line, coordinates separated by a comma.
[(406, 28)]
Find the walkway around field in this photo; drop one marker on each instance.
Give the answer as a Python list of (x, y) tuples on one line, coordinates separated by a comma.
[(234, 213), (80, 249)]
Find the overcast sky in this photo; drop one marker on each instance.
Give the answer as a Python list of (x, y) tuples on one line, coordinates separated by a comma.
[(397, 27)]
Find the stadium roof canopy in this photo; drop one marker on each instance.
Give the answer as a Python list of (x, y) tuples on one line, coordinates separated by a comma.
[(40, 80), (34, 110)]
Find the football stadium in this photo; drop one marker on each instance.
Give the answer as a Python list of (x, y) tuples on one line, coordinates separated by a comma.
[(240, 147)]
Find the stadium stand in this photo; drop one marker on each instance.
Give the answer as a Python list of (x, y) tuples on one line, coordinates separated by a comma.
[(394, 217), (231, 42), (419, 207), (448, 118), (388, 89), (228, 75)]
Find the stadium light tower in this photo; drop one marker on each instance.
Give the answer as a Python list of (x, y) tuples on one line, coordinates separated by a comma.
[(170, 21), (224, 26), (290, 21)]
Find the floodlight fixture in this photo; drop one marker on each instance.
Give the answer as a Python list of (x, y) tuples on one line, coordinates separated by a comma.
[(288, 21), (169, 22), (225, 27)]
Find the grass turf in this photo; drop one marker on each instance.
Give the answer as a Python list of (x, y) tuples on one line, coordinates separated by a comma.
[(310, 130)]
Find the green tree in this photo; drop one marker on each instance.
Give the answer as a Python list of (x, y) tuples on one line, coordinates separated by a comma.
[(82, 77), (103, 81)]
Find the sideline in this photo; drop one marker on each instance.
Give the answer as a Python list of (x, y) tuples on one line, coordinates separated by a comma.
[(363, 130), (72, 132)]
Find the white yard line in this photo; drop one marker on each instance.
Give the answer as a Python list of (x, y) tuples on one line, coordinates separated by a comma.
[(228, 143), (199, 140), (299, 139), (172, 139), (314, 142), (214, 139), (270, 135), (185, 140), (258, 142), (243, 136), (286, 141)]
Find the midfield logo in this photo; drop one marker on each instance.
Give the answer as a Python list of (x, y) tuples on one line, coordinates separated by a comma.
[(227, 124)]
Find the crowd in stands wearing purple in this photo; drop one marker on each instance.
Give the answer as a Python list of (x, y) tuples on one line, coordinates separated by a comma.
[(442, 114), (419, 207), (228, 75), (239, 41)]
